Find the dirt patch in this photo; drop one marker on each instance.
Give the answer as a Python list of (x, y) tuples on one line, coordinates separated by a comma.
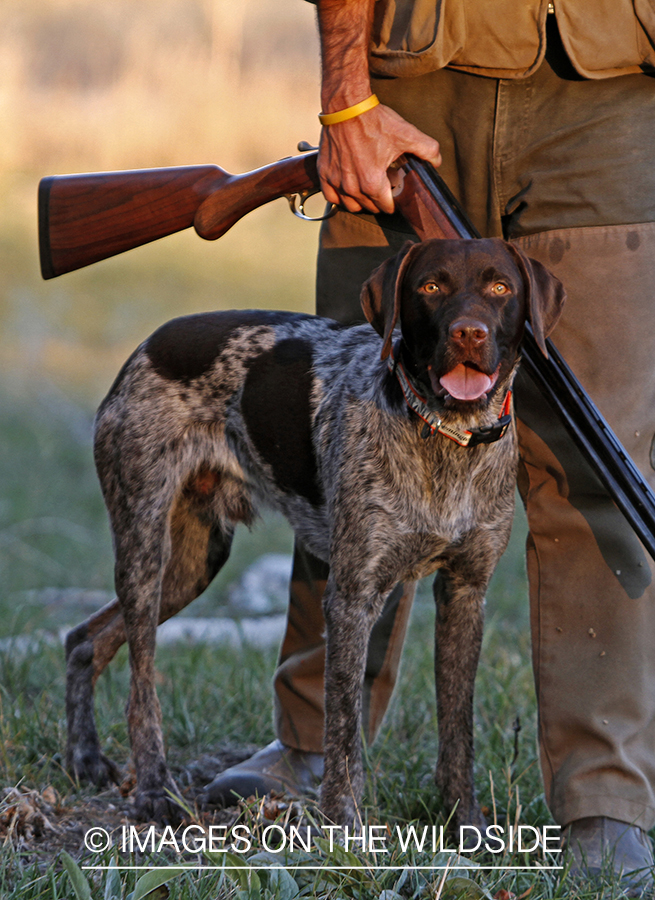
[(39, 824)]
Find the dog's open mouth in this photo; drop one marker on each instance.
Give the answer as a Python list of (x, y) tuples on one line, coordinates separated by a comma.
[(464, 382)]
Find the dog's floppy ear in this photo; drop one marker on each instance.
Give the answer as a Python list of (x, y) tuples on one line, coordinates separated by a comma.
[(380, 296), (546, 296)]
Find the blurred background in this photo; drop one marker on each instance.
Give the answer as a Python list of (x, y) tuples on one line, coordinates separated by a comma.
[(90, 86)]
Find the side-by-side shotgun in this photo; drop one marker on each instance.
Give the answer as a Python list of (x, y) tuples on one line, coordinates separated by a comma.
[(87, 218)]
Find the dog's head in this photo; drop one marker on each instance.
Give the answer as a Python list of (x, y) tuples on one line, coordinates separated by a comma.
[(462, 306)]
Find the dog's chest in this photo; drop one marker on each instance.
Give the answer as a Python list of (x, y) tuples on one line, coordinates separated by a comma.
[(430, 494), (434, 475), (439, 493), (448, 513)]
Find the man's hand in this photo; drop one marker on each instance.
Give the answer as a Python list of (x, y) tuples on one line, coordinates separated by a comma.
[(355, 158)]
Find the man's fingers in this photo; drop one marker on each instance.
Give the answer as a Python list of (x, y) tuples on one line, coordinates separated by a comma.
[(355, 156), (428, 149), (420, 144), (378, 202), (355, 196), (350, 204), (330, 194), (383, 199), (371, 192), (338, 196)]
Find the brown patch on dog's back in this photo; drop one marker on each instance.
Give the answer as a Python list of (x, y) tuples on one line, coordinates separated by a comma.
[(186, 348), (277, 412)]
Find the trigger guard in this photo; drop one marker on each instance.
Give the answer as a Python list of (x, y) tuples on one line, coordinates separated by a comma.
[(297, 206)]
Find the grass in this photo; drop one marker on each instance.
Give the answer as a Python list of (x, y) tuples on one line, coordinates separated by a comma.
[(217, 699), (212, 699), (200, 714), (54, 537)]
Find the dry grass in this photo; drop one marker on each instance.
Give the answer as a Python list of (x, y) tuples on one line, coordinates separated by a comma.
[(89, 85)]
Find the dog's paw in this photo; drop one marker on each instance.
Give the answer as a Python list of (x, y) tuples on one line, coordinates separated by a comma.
[(469, 828), (89, 764), (339, 810), (162, 805)]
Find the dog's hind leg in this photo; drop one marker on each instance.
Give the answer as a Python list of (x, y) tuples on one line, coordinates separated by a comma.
[(143, 551), (149, 572), (199, 549), (84, 758)]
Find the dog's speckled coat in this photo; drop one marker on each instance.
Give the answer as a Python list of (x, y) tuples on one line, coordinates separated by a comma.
[(219, 413)]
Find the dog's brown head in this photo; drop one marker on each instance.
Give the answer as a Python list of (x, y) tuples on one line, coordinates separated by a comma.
[(462, 306)]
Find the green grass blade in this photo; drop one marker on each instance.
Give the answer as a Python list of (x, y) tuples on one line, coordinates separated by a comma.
[(153, 880), (113, 889), (77, 877)]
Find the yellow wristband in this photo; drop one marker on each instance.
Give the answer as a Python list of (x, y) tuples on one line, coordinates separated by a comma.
[(350, 112)]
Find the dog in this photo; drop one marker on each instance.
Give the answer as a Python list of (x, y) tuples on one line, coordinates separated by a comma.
[(391, 451)]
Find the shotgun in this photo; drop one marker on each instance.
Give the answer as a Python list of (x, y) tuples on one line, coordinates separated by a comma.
[(86, 218)]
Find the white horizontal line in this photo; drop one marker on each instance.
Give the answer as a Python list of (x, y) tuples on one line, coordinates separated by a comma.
[(300, 868)]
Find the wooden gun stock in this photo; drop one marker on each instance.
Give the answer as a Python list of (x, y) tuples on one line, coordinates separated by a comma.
[(86, 218)]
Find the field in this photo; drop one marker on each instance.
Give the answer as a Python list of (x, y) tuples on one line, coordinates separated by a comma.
[(86, 87)]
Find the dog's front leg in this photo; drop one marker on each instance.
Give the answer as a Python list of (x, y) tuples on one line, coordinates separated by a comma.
[(349, 620), (458, 638)]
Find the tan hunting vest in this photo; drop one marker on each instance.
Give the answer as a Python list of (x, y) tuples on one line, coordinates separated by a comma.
[(506, 38)]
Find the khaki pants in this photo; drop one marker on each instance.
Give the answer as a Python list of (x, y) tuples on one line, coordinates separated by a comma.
[(563, 167)]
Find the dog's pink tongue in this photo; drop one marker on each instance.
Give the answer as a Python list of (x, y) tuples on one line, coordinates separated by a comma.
[(464, 383)]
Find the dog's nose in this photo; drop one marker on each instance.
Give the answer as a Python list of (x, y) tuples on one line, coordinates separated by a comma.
[(469, 334)]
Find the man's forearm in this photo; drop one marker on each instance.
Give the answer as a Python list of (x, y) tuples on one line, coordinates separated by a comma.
[(345, 29), (355, 154)]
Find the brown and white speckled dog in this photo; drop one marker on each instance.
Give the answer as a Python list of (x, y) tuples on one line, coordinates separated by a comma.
[(216, 414)]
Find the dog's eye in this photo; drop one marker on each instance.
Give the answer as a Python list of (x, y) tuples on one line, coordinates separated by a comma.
[(431, 288), (499, 288)]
